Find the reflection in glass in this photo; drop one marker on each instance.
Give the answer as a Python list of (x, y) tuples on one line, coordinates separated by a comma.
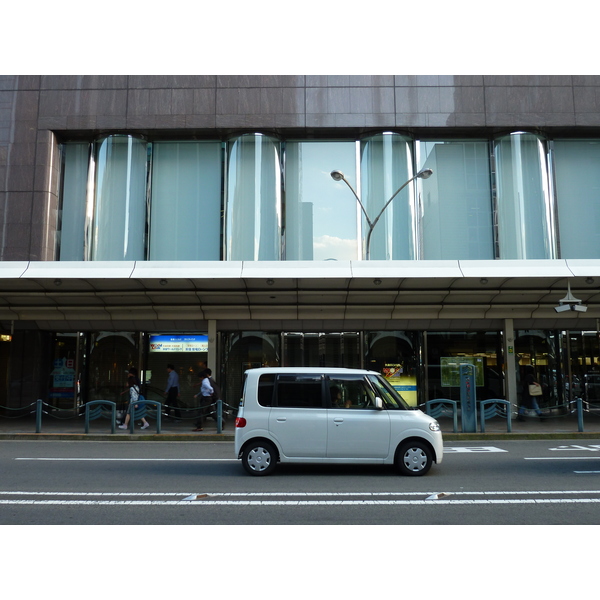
[(321, 216), (456, 205), (577, 171), (253, 202), (185, 219), (120, 208), (524, 230), (385, 165)]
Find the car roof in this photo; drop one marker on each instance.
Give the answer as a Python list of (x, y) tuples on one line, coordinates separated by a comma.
[(327, 370)]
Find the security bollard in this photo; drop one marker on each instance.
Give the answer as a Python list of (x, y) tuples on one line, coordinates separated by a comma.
[(579, 414), (219, 415), (38, 415)]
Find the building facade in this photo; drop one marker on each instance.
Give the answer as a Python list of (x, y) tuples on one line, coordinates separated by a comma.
[(194, 220)]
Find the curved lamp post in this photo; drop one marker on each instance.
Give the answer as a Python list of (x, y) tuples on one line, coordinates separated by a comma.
[(339, 176)]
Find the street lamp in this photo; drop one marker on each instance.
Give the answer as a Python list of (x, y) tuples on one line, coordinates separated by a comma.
[(339, 176)]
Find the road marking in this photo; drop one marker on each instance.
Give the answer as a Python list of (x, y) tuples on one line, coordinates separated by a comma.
[(591, 448), (473, 449), (134, 459), (561, 458), (187, 502), (580, 472), (329, 498)]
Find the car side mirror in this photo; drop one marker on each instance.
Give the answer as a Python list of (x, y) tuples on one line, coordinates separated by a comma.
[(378, 403)]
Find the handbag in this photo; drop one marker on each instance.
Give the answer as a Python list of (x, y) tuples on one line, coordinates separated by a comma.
[(535, 389)]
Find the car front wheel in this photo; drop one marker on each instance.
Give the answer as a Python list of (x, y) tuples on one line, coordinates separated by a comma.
[(414, 458), (259, 458)]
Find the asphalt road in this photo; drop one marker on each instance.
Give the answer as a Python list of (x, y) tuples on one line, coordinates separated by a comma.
[(481, 483)]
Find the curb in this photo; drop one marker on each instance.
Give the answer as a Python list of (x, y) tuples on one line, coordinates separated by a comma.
[(119, 437)]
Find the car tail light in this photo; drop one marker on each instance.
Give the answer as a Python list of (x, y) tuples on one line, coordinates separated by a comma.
[(240, 422)]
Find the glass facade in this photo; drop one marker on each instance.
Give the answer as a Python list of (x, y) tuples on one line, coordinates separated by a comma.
[(119, 225), (455, 208), (258, 198), (524, 207), (320, 215), (386, 162), (185, 212), (577, 173), (253, 198)]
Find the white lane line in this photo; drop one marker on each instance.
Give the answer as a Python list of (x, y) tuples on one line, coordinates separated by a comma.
[(204, 502), (307, 494), (562, 458), (332, 498), (134, 459), (467, 449)]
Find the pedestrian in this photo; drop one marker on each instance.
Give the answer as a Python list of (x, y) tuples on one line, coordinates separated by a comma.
[(529, 384), (133, 387), (172, 392), (206, 397)]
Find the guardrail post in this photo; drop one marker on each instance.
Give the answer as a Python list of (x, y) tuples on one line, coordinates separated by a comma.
[(219, 415), (38, 415), (579, 414)]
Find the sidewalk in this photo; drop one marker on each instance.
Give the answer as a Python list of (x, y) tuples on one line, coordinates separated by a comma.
[(553, 427)]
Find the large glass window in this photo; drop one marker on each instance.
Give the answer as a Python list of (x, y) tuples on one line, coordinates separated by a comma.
[(321, 215), (119, 231), (185, 222), (524, 229), (385, 165), (395, 354), (577, 170), (456, 206), (75, 167), (253, 203), (446, 351)]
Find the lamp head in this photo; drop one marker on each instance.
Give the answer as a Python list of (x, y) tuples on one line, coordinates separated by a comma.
[(337, 175), (425, 174)]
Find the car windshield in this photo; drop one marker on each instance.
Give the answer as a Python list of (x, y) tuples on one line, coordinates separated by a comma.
[(391, 398)]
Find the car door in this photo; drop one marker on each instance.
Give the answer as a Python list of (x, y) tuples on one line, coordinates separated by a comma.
[(355, 428), (298, 419)]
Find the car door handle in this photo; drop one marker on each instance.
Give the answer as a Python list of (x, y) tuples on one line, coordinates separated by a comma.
[(281, 419), (338, 420)]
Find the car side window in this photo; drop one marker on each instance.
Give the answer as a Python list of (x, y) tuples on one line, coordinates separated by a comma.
[(266, 386), (350, 393), (299, 391)]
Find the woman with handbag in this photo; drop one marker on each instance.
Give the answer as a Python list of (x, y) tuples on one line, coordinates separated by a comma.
[(531, 389), (133, 387)]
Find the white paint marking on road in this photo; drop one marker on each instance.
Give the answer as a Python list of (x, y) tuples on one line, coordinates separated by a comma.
[(133, 459), (438, 496), (304, 494), (579, 472), (333, 498), (186, 502), (590, 448), (561, 458), (459, 449)]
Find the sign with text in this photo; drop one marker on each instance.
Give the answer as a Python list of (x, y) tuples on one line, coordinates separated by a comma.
[(179, 343)]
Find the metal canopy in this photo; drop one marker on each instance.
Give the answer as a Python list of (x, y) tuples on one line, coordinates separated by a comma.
[(388, 294)]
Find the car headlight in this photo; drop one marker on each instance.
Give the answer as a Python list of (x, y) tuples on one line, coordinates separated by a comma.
[(434, 426)]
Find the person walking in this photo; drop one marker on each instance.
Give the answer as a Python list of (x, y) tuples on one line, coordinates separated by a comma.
[(134, 386), (206, 397), (172, 392), (529, 400)]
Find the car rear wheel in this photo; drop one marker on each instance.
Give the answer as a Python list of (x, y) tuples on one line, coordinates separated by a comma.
[(414, 458), (259, 458)]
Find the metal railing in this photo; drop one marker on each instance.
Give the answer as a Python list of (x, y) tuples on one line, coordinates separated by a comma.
[(107, 409)]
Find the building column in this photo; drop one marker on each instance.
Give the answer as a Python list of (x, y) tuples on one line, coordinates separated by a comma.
[(510, 367), (212, 346)]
